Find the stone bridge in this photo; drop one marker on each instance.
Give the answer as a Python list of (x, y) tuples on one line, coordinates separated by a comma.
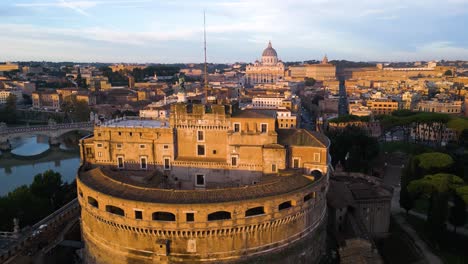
[(53, 131), (52, 225)]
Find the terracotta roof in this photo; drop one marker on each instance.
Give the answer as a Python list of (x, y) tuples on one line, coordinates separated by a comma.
[(127, 189)]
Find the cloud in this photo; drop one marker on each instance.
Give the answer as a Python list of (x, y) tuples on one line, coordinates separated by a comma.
[(79, 7), (239, 29)]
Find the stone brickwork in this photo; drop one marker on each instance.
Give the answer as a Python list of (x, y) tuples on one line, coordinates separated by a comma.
[(214, 184)]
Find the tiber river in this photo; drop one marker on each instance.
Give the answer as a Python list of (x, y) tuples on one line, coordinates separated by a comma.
[(17, 172)]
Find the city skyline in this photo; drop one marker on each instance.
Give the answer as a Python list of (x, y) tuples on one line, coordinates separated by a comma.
[(146, 31)]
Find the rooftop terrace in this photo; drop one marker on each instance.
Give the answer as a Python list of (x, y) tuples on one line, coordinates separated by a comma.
[(135, 123)]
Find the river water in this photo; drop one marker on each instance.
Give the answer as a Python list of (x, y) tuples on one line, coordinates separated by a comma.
[(14, 173)]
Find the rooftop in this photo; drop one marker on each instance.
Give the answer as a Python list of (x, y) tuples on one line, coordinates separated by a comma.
[(120, 184), (302, 137), (135, 123)]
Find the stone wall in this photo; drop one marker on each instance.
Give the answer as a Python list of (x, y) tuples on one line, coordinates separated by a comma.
[(113, 238)]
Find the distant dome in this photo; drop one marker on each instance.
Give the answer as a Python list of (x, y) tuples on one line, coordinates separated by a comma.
[(270, 51)]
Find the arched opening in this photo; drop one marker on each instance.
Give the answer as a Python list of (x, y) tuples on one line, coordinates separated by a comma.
[(220, 215), (316, 173), (93, 202), (163, 216), (284, 205), (309, 196), (115, 210), (255, 211)]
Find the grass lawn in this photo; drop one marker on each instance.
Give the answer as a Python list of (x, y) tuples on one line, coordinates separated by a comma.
[(452, 248)]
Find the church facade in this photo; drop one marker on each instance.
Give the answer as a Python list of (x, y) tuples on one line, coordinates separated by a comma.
[(269, 70)]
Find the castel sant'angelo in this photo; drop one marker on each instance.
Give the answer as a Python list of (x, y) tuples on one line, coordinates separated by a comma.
[(211, 184)]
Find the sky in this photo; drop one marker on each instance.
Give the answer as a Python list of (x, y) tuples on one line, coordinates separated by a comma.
[(170, 31)]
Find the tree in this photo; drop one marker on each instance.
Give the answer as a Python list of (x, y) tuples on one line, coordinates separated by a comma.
[(437, 214), (8, 113), (309, 81), (448, 73), (429, 163), (76, 110), (406, 200), (457, 216), (353, 148), (47, 186), (437, 187), (79, 80)]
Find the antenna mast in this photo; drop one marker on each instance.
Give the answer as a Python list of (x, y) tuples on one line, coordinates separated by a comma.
[(204, 42)]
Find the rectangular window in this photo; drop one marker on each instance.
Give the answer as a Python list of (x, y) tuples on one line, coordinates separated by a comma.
[(200, 180), (131, 134), (138, 215), (120, 133), (98, 134), (234, 161), (200, 135), (99, 145), (236, 127), (143, 163), (295, 163), (167, 164), (201, 150), (273, 167), (99, 154), (317, 157), (166, 146), (120, 162), (89, 150), (142, 146), (118, 146), (264, 127), (190, 217)]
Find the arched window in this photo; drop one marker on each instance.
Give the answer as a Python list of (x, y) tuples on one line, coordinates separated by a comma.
[(309, 196), (220, 215), (93, 202), (284, 205), (255, 211), (163, 216), (115, 210)]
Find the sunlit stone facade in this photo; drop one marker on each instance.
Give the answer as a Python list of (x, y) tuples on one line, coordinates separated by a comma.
[(212, 184)]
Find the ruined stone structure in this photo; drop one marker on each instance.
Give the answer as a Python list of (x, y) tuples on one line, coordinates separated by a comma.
[(214, 184)]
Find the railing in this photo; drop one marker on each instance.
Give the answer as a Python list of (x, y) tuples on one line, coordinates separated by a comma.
[(68, 207), (22, 241), (9, 131)]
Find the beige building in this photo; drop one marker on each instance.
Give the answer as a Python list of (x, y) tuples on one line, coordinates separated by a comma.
[(8, 66), (449, 107), (269, 70), (382, 106), (126, 67), (214, 184), (321, 72), (5, 93), (286, 119), (48, 100)]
